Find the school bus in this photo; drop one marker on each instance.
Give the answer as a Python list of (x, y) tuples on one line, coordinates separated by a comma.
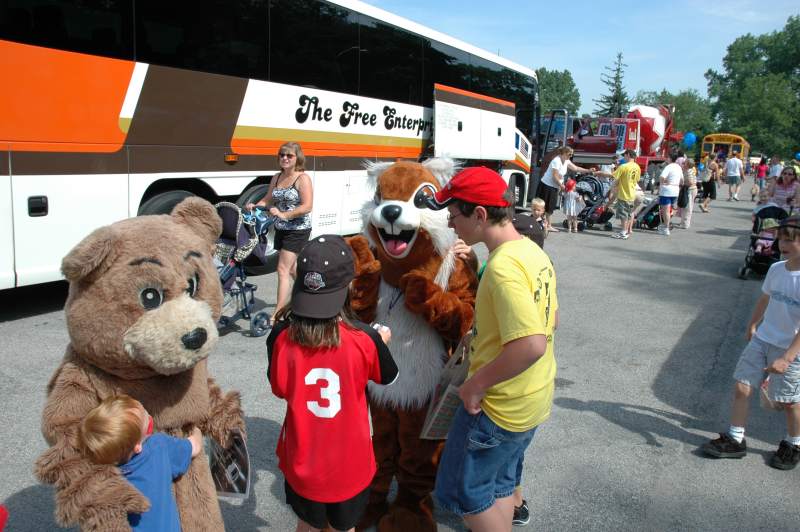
[(725, 145), (117, 108)]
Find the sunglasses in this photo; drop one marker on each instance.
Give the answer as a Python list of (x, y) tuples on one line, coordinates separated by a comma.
[(286, 155), (451, 217)]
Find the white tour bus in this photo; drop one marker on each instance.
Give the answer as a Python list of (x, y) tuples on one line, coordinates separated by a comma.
[(113, 109)]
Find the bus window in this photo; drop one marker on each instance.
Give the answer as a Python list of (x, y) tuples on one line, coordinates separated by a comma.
[(391, 63), (219, 36), (736, 148), (708, 147), (324, 49), (446, 65), (102, 28)]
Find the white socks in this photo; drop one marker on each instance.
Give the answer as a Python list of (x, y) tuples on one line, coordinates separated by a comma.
[(793, 441), (737, 433)]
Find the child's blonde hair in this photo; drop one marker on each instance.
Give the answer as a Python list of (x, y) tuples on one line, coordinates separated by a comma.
[(537, 202), (110, 431)]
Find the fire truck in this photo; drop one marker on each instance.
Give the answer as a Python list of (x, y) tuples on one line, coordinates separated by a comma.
[(597, 141)]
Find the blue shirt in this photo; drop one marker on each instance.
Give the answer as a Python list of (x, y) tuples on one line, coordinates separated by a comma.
[(163, 459)]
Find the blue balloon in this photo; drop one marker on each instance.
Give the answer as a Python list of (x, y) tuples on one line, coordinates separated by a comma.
[(701, 166), (621, 161), (689, 139), (797, 156)]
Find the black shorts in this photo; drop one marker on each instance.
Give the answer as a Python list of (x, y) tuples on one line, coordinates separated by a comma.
[(291, 240), (339, 515), (710, 190), (549, 195)]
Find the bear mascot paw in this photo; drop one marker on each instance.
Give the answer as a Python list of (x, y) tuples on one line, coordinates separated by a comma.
[(144, 299), (408, 279)]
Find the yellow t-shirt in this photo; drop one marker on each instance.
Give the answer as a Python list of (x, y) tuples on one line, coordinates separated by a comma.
[(516, 298), (627, 175)]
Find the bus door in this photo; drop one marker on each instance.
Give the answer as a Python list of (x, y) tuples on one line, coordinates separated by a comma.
[(339, 197), (554, 133), (468, 125), (7, 278)]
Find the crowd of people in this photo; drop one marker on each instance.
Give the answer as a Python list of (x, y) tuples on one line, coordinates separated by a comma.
[(510, 386), (677, 185)]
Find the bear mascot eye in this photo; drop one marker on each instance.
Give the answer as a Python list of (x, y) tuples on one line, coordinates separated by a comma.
[(193, 284), (151, 298)]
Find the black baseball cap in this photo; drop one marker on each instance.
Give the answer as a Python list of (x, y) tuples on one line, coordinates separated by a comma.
[(324, 270)]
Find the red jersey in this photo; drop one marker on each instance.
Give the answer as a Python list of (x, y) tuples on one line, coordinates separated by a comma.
[(325, 449)]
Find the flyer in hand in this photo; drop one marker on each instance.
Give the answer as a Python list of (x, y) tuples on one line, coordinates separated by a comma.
[(445, 400), (230, 468)]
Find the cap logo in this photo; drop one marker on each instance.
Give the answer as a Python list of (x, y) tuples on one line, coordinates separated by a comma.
[(314, 281)]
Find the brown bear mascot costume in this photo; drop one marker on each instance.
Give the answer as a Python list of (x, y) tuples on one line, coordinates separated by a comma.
[(144, 298), (407, 278)]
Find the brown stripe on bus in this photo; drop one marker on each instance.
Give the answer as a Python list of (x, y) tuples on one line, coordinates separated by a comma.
[(66, 163), (4, 162), (476, 103), (204, 107)]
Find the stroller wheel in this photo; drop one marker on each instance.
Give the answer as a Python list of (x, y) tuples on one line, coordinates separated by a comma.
[(743, 272), (608, 226), (564, 224), (259, 324), (581, 226), (223, 322)]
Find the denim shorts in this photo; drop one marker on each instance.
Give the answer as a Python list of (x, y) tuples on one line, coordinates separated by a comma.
[(758, 354), (481, 462), (668, 200)]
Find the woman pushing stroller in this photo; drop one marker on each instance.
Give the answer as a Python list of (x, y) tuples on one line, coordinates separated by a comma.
[(289, 199)]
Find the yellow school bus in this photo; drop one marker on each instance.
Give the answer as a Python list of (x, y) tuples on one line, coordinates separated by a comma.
[(725, 145)]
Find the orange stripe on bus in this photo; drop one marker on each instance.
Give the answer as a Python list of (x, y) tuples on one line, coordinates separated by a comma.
[(269, 147), (462, 92), (61, 101)]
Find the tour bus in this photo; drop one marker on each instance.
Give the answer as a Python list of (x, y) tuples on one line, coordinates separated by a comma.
[(725, 145), (113, 109)]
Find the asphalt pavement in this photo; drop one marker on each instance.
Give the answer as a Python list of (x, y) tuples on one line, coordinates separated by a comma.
[(651, 328)]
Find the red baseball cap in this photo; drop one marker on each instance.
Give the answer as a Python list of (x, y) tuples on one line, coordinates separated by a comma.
[(476, 184)]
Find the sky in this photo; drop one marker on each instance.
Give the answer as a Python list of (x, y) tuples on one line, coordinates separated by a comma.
[(666, 44)]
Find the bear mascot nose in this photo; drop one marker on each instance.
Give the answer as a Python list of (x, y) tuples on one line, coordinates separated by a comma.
[(195, 339), (391, 212)]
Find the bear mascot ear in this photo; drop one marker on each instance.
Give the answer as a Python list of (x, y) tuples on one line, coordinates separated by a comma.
[(200, 216), (89, 254)]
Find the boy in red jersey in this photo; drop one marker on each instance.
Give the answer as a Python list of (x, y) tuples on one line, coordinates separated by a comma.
[(320, 360)]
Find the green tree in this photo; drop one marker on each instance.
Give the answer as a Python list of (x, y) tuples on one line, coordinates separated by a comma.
[(757, 95), (557, 90), (616, 102)]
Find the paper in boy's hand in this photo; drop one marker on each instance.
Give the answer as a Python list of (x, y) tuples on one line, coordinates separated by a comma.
[(230, 468)]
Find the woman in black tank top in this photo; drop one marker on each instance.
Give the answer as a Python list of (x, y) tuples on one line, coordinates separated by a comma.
[(289, 199)]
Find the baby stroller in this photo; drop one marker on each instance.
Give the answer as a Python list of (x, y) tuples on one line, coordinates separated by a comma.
[(595, 195), (763, 250), (649, 216), (239, 239)]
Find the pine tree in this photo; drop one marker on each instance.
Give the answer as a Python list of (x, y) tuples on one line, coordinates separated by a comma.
[(616, 102)]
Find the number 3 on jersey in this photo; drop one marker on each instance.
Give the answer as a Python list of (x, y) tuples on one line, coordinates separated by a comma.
[(329, 392)]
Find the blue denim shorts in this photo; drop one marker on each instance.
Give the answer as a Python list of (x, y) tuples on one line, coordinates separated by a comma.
[(481, 462), (668, 200)]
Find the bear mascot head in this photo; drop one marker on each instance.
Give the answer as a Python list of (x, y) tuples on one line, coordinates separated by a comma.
[(144, 298)]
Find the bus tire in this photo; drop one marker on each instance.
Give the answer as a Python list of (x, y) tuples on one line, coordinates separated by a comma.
[(252, 265), (163, 203)]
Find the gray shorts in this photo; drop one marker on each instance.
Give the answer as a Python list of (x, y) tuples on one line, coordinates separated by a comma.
[(756, 356), (623, 209), (733, 179)]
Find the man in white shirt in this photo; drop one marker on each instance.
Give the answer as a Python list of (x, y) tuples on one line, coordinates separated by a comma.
[(670, 183), (775, 167), (734, 174)]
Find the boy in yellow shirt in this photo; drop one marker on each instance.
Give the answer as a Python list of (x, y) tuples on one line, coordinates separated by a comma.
[(509, 390)]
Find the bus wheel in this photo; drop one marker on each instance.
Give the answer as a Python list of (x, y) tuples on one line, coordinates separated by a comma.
[(253, 265), (163, 203), (252, 195)]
